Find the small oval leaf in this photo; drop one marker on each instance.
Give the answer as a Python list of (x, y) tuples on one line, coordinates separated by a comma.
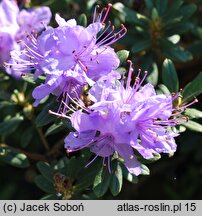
[(193, 113), (193, 126), (101, 182), (116, 179), (44, 184), (192, 89), (123, 55), (13, 157), (169, 76)]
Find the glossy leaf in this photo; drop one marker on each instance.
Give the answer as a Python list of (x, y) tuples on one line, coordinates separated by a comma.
[(149, 4), (116, 179), (141, 45), (179, 129), (145, 170), (46, 170), (55, 128), (13, 157), (10, 125), (26, 137), (172, 10), (177, 28), (126, 14), (123, 55), (163, 89), (193, 113), (193, 126), (44, 117), (195, 48), (4, 104), (174, 52), (44, 184), (128, 176), (192, 89), (87, 176), (161, 6), (186, 11), (153, 75), (101, 182), (82, 20), (156, 157), (169, 76)]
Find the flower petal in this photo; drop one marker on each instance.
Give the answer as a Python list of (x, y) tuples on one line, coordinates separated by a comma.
[(130, 161)]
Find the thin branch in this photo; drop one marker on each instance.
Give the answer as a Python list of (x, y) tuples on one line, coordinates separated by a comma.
[(43, 139)]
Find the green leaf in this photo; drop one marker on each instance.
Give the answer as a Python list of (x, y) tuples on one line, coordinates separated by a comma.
[(4, 104), (87, 176), (192, 89), (163, 89), (149, 4), (101, 182), (128, 176), (82, 20), (140, 45), (195, 48), (177, 28), (161, 6), (46, 170), (13, 157), (29, 79), (154, 14), (187, 11), (156, 157), (74, 166), (127, 14), (169, 76), (4, 95), (123, 55), (174, 52), (10, 125), (153, 75), (55, 128), (193, 113), (26, 137), (44, 117), (144, 169), (116, 179), (44, 184), (121, 70), (172, 10), (193, 126), (179, 129)]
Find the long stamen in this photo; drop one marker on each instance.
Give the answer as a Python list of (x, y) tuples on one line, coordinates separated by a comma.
[(62, 115), (129, 74), (105, 30), (89, 163), (106, 13), (109, 165), (95, 13)]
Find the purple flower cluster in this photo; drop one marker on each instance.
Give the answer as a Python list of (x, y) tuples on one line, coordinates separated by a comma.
[(15, 25), (124, 118), (70, 56)]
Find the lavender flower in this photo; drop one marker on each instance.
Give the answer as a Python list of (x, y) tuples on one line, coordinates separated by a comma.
[(105, 133), (8, 28), (70, 54), (123, 119), (16, 25)]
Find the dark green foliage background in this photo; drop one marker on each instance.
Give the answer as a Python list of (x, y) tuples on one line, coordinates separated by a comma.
[(149, 24)]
